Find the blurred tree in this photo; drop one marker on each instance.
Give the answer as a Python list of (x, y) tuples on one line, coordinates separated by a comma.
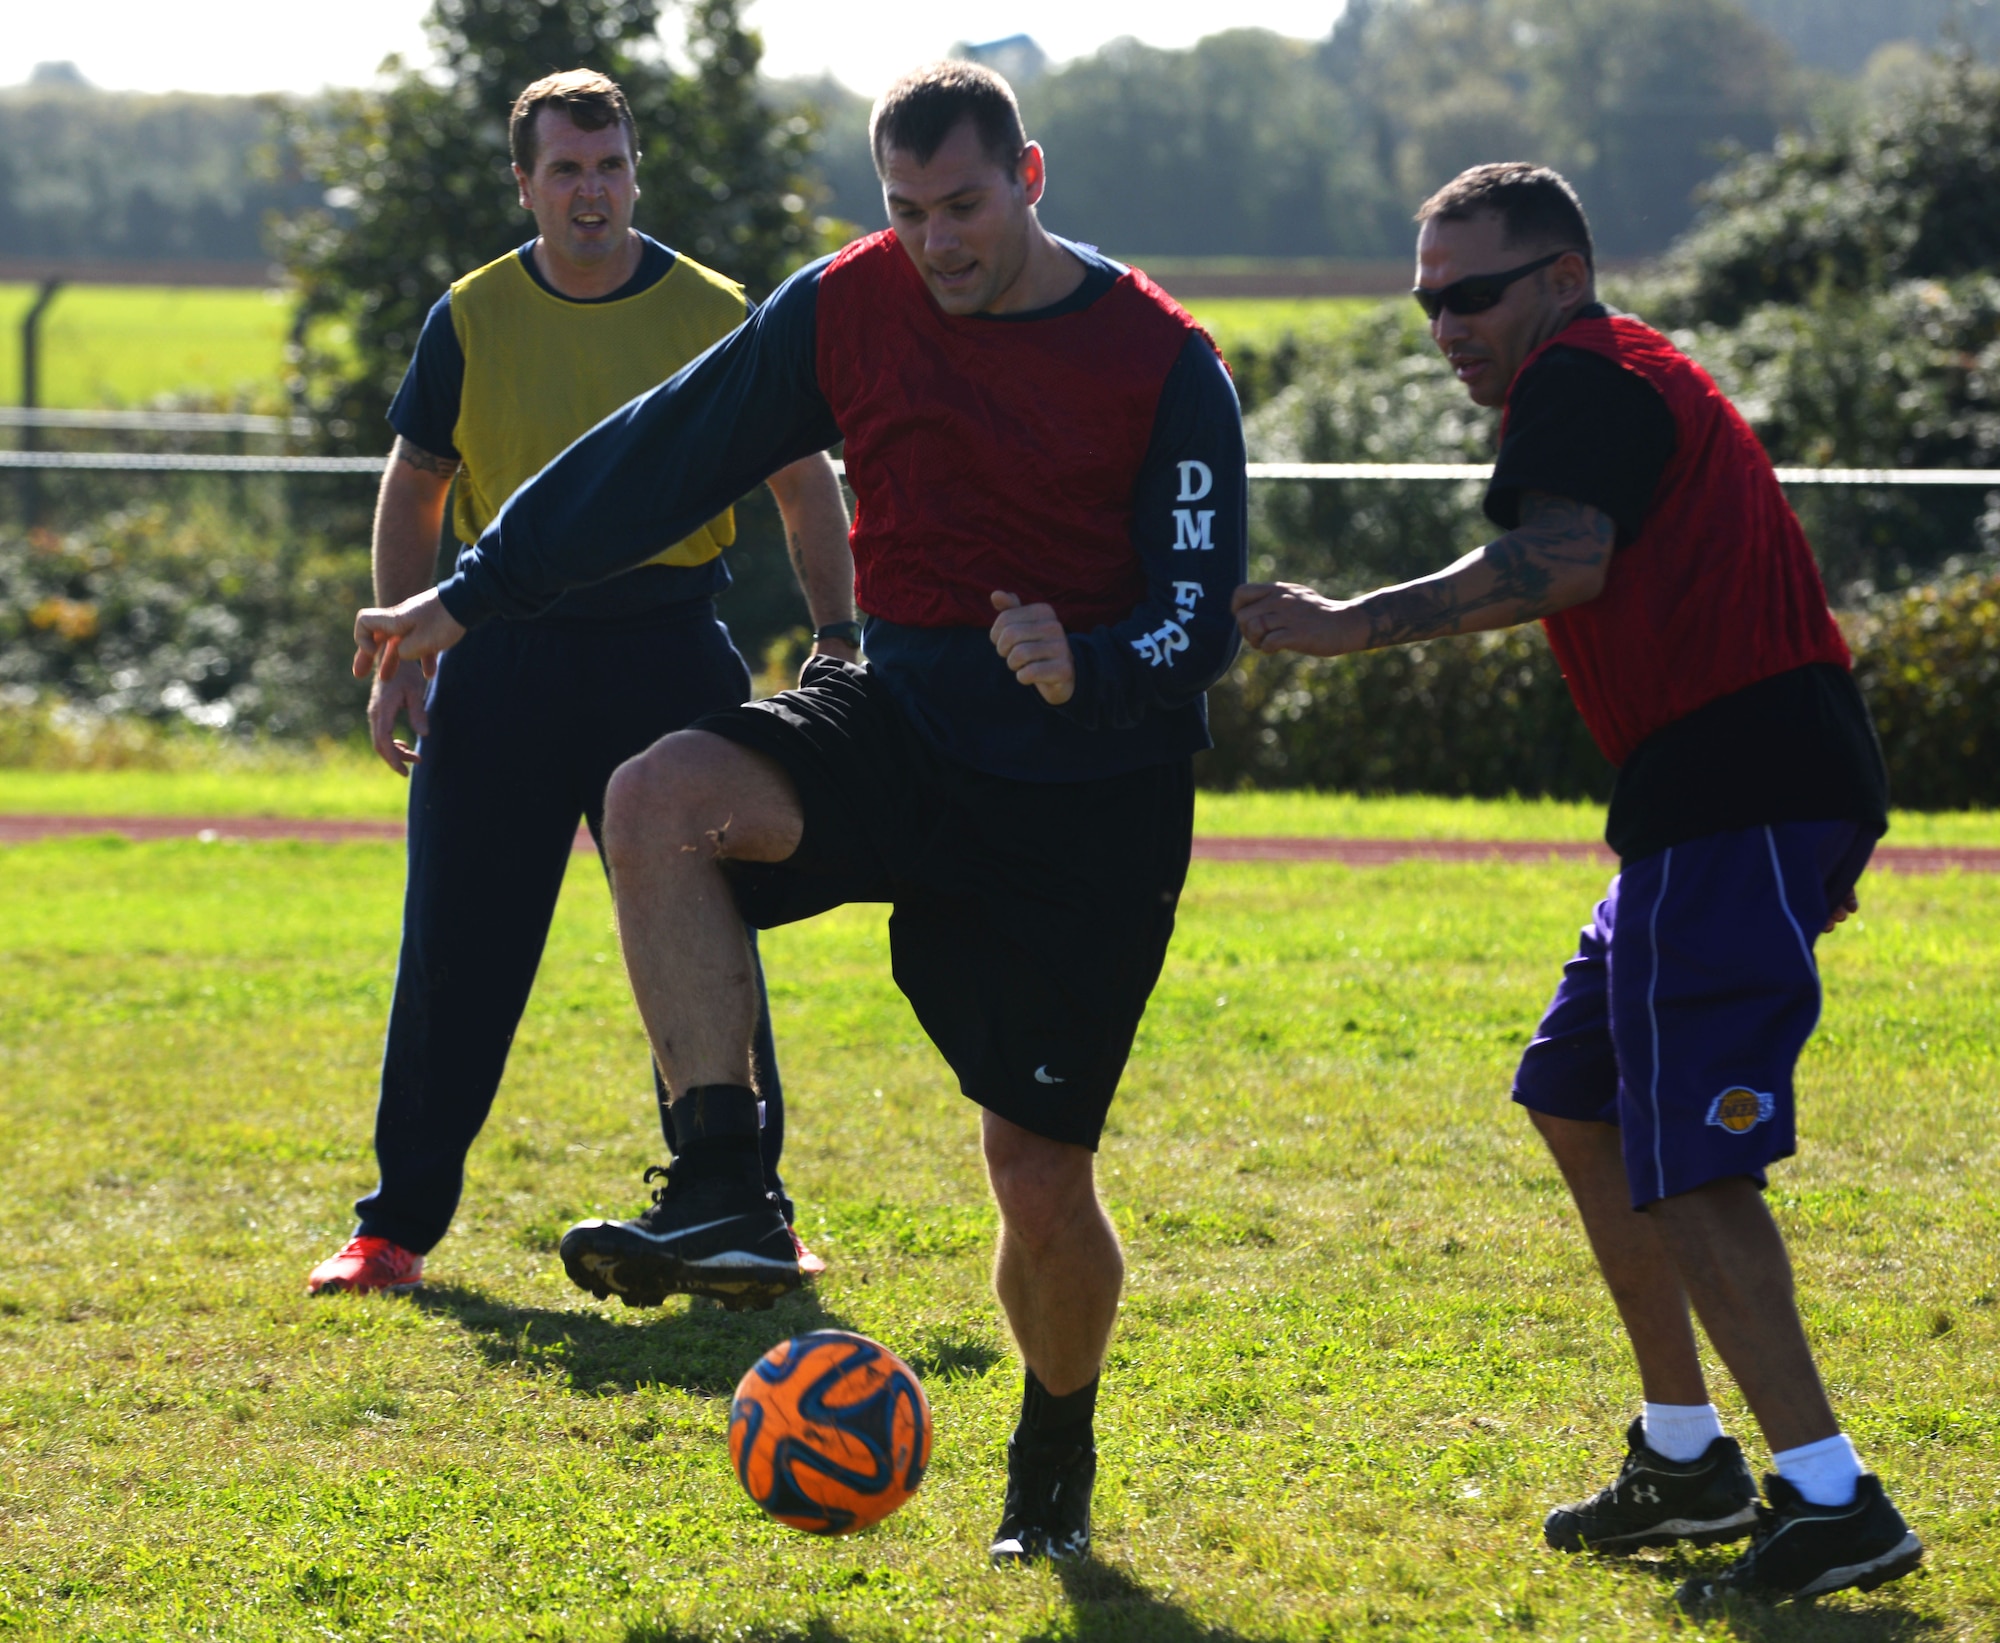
[(1234, 148), (417, 188), (851, 192), (116, 175), (1841, 35), (1633, 100), (1912, 192), (1644, 98)]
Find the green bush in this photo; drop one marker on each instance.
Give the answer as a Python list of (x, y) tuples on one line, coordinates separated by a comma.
[(1482, 716), (1911, 193), (182, 615), (1928, 660), (1908, 377), (1489, 715)]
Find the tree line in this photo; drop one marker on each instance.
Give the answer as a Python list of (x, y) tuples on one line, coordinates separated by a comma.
[(1246, 144)]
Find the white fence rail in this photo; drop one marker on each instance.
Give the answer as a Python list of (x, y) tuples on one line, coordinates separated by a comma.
[(154, 422), (182, 462)]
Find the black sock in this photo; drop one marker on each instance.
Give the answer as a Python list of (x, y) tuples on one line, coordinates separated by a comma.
[(715, 1121), (1048, 1420)]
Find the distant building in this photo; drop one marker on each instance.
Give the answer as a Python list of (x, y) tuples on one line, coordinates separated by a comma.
[(1016, 59)]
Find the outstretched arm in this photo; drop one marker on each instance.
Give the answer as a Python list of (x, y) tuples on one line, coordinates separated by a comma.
[(646, 475), (1558, 556), (659, 468)]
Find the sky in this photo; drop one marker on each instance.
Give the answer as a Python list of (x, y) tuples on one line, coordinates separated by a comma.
[(302, 45)]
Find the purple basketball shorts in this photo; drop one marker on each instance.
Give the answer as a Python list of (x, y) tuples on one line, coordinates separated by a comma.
[(1691, 994)]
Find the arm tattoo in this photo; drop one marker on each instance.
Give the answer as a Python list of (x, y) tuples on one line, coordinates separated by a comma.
[(1554, 534), (424, 461)]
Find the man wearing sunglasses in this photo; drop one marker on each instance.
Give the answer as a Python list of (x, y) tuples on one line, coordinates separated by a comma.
[(1645, 527)]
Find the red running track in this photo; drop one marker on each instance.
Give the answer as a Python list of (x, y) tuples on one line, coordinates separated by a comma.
[(1894, 858)]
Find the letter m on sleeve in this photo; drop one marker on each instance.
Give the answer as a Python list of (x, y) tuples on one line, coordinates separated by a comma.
[(1193, 529)]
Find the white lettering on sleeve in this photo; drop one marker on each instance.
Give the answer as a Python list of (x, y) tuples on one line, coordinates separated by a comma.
[(1161, 645), (1187, 595), (1197, 480), (1193, 530)]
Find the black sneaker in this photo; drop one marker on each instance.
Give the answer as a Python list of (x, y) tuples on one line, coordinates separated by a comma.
[(1802, 1550), (712, 1230), (1047, 1513), (1661, 1502)]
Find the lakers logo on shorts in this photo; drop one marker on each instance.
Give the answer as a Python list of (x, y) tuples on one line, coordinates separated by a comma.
[(1739, 1110)]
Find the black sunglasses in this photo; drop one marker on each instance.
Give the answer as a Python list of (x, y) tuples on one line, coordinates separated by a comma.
[(1476, 292)]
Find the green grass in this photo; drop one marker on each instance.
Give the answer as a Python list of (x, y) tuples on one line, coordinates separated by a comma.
[(125, 345), (347, 782), (1306, 814), (1261, 322), (339, 782), (1362, 1348)]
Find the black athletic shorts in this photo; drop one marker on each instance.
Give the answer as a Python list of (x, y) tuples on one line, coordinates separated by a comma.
[(1031, 918)]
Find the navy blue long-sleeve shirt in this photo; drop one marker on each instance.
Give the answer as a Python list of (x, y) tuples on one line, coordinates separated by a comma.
[(753, 403)]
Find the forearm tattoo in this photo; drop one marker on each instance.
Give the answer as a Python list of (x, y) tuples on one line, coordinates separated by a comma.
[(1554, 534), (424, 461)]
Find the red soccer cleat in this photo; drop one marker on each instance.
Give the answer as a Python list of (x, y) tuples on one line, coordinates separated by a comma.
[(365, 1266), (810, 1265)]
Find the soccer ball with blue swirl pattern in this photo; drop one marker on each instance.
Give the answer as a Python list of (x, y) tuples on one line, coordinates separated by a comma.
[(830, 1432)]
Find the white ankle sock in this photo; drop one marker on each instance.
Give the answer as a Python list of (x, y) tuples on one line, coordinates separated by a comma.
[(1824, 1472), (1681, 1431)]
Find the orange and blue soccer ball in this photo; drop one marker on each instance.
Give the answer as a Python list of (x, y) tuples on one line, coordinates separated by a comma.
[(830, 1432)]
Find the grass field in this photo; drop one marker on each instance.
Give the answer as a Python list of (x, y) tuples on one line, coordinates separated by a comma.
[(1362, 1347), (1262, 321), (125, 345), (343, 782)]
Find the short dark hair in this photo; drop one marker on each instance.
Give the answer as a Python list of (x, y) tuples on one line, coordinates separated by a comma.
[(1534, 204), (926, 106), (592, 100)]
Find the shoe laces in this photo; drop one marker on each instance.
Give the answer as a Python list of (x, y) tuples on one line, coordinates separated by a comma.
[(659, 1172), (367, 1246)]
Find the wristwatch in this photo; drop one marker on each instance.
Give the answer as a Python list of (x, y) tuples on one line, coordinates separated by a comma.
[(848, 633)]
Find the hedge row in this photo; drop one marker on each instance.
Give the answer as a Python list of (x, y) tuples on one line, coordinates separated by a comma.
[(1928, 660), (179, 618), (1490, 715), (193, 614)]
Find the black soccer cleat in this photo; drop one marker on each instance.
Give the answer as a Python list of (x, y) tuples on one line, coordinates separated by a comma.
[(1047, 1511), (1661, 1502), (712, 1230), (1802, 1550)]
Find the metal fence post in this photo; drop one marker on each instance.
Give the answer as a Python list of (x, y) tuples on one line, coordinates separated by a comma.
[(31, 386)]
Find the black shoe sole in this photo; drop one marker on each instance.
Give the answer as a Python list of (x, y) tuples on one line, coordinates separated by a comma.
[(620, 1265), (1673, 1532), (1899, 1560), (1893, 1564)]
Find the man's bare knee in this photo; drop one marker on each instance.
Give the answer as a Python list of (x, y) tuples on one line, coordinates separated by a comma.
[(697, 796), (652, 796), (1041, 1186)]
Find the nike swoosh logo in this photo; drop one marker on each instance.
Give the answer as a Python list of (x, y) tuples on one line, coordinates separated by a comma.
[(682, 1232), (1044, 1076)]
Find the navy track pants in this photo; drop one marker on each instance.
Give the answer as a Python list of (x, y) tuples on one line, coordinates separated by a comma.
[(527, 722)]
